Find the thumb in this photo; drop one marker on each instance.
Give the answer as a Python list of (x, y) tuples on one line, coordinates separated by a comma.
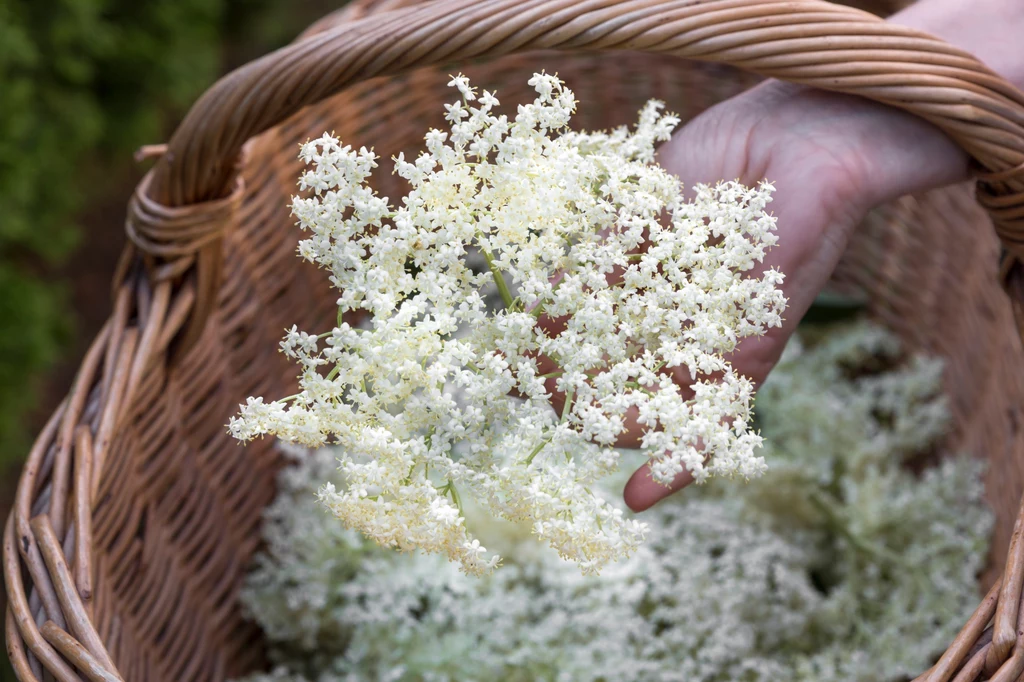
[(642, 492)]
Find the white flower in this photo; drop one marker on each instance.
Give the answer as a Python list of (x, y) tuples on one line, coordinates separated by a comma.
[(540, 217), (839, 565)]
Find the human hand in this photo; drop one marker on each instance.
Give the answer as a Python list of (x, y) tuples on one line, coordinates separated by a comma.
[(831, 158)]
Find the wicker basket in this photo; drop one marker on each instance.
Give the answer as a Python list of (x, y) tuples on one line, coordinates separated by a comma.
[(136, 513)]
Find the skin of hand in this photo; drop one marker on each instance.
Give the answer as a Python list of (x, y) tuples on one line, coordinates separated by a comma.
[(831, 158)]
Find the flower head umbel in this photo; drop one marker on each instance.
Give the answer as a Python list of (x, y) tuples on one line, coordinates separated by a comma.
[(840, 564), (443, 395)]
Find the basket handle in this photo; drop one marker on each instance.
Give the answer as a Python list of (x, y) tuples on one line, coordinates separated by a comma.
[(189, 197), (811, 42)]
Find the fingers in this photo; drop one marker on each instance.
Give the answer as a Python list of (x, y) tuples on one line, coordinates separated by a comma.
[(830, 159), (642, 492)]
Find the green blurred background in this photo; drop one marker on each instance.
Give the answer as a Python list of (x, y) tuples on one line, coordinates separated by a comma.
[(83, 83)]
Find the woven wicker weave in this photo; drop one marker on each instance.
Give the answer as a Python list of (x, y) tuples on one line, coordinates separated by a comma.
[(136, 514)]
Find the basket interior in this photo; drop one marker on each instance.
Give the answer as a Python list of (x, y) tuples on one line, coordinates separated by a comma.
[(177, 516)]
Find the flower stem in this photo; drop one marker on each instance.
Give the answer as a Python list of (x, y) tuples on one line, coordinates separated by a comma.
[(506, 295), (636, 385), (567, 408), (455, 497), (536, 450)]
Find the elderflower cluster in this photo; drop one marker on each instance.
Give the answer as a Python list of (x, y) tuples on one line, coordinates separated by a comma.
[(838, 565), (611, 285)]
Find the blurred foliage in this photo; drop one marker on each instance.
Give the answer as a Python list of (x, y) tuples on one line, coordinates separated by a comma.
[(84, 82), (81, 78)]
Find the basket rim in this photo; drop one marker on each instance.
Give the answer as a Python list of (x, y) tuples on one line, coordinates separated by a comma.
[(190, 199)]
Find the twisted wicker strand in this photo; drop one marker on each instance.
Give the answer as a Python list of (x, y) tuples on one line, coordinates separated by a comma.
[(960, 648), (791, 40), (811, 42)]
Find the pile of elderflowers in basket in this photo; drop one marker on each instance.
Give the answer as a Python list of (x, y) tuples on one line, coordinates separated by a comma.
[(610, 284), (838, 565)]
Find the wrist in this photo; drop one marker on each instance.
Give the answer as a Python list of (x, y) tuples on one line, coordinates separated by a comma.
[(990, 30), (884, 152), (904, 154), (912, 155)]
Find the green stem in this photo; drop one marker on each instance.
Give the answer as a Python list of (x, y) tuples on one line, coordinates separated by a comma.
[(449, 489), (636, 385), (567, 408), (506, 295), (536, 450), (455, 497)]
